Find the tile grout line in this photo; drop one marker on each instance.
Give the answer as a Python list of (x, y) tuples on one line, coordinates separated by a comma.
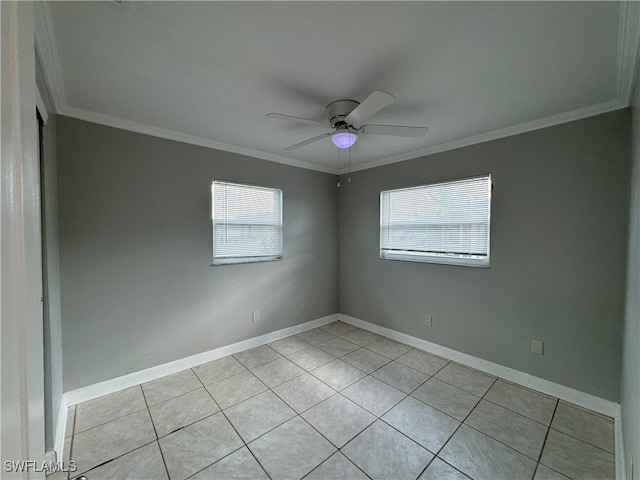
[(99, 425), (548, 427), (244, 444), (483, 397), (106, 462), (354, 436), (498, 440), (114, 418), (260, 364), (164, 462), (458, 428), (338, 449), (336, 392), (107, 421), (180, 428), (269, 388), (73, 434), (376, 417), (544, 442), (153, 424), (583, 441), (331, 456), (406, 395), (517, 413), (339, 392), (244, 399)]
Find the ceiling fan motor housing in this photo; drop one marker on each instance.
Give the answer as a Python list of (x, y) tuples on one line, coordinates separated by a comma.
[(337, 111)]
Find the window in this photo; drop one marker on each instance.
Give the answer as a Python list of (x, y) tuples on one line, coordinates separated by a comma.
[(438, 223), (247, 223)]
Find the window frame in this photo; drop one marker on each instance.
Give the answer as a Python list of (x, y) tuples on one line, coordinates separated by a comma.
[(459, 259), (246, 259)]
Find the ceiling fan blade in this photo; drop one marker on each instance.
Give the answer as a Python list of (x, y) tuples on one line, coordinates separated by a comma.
[(396, 130), (306, 142), (371, 105), (308, 121)]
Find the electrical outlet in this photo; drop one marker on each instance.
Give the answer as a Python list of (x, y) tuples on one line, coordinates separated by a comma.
[(255, 316), (537, 346), (427, 320)]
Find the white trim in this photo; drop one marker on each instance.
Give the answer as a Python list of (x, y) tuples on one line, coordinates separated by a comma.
[(620, 454), (582, 399), (41, 106), (628, 49), (627, 57), (22, 389), (116, 122), (138, 127), (50, 456), (132, 379), (559, 119), (46, 47), (61, 427)]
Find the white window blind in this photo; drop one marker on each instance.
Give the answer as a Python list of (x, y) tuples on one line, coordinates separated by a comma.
[(438, 223), (247, 223)]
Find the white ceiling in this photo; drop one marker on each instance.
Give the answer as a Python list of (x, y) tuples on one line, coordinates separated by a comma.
[(208, 72)]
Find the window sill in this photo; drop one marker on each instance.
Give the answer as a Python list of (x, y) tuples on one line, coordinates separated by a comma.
[(442, 260), (235, 261)]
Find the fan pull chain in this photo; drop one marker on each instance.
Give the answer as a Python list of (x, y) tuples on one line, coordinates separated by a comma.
[(338, 168), (349, 167)]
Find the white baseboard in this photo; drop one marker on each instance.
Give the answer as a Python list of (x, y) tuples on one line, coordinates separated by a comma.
[(621, 454), (113, 385), (582, 399), (567, 394), (50, 456), (61, 427)]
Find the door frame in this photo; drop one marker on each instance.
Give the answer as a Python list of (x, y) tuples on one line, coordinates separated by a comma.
[(21, 340)]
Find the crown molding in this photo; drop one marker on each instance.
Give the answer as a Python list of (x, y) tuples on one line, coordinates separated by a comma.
[(47, 50), (561, 118), (143, 128), (628, 45), (628, 52), (138, 127)]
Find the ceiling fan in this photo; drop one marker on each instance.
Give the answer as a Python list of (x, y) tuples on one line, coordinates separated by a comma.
[(346, 119)]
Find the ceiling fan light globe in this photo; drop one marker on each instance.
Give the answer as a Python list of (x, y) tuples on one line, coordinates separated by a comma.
[(344, 139)]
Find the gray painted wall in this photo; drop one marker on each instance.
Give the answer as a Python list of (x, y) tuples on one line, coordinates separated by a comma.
[(630, 378), (558, 254), (135, 250), (52, 322)]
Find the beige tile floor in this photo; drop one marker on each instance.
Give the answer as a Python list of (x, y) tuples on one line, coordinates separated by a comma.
[(336, 402)]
